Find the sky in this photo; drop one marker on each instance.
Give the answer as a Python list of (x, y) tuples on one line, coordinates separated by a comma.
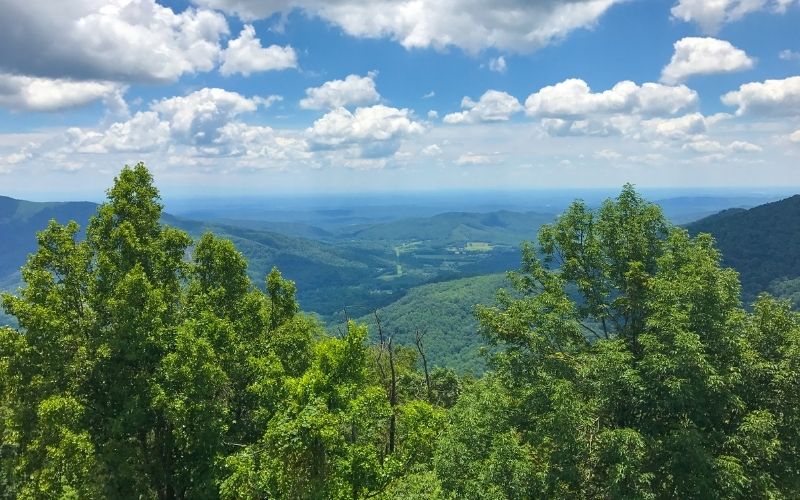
[(260, 97)]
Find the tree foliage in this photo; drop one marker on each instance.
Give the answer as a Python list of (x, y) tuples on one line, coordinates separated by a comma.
[(623, 365)]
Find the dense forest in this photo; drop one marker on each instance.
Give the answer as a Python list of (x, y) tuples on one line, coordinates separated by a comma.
[(621, 363), (761, 243)]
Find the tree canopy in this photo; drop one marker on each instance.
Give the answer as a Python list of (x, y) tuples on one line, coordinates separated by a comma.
[(622, 365)]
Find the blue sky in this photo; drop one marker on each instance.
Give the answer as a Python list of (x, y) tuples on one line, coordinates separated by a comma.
[(257, 96)]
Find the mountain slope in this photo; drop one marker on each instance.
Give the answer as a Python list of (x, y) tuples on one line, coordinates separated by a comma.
[(762, 243), (21, 220), (445, 312)]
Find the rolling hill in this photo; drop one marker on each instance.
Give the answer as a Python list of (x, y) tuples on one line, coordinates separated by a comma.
[(445, 312), (762, 243), (21, 220), (453, 228)]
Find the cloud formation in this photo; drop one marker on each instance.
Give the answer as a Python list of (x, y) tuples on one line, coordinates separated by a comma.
[(493, 106), (574, 98), (245, 55), (374, 132), (25, 93), (473, 25), (115, 40), (710, 15), (767, 98), (704, 56), (354, 90)]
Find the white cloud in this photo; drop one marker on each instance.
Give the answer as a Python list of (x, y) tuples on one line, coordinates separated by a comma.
[(607, 154), (143, 132), (433, 114), (573, 98), (47, 94), (259, 143), (26, 152), (432, 150), (373, 132), (704, 56), (492, 106), (789, 55), (712, 14), (770, 97), (474, 159), (198, 117), (473, 25), (680, 128), (248, 10), (119, 40), (744, 147), (429, 95), (710, 146), (498, 64), (795, 136), (245, 55), (352, 91)]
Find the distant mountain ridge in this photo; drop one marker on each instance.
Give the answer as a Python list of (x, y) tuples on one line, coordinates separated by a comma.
[(20, 221), (761, 243)]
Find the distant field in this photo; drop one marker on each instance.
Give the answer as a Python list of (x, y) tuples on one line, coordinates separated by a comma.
[(479, 246)]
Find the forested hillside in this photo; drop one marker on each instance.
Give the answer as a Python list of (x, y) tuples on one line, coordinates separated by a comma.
[(147, 364), (762, 243), (444, 315), (21, 220)]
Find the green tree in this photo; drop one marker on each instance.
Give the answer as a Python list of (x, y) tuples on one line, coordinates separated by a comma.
[(631, 367)]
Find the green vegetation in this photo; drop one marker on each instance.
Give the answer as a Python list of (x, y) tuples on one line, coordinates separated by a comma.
[(445, 314), (335, 272), (21, 220), (456, 228), (762, 243), (622, 365)]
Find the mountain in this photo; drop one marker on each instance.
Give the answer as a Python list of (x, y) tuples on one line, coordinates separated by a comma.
[(21, 220), (329, 276), (445, 313), (455, 228), (686, 209), (761, 243)]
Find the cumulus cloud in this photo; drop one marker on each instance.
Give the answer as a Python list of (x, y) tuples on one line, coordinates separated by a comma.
[(374, 132), (789, 55), (492, 106), (704, 56), (710, 146), (711, 15), (795, 136), (198, 117), (770, 97), (474, 159), (245, 55), (607, 154), (679, 128), (50, 94), (259, 142), (498, 64), (141, 133), (26, 152), (192, 129), (473, 25), (115, 40), (354, 90), (573, 98)]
